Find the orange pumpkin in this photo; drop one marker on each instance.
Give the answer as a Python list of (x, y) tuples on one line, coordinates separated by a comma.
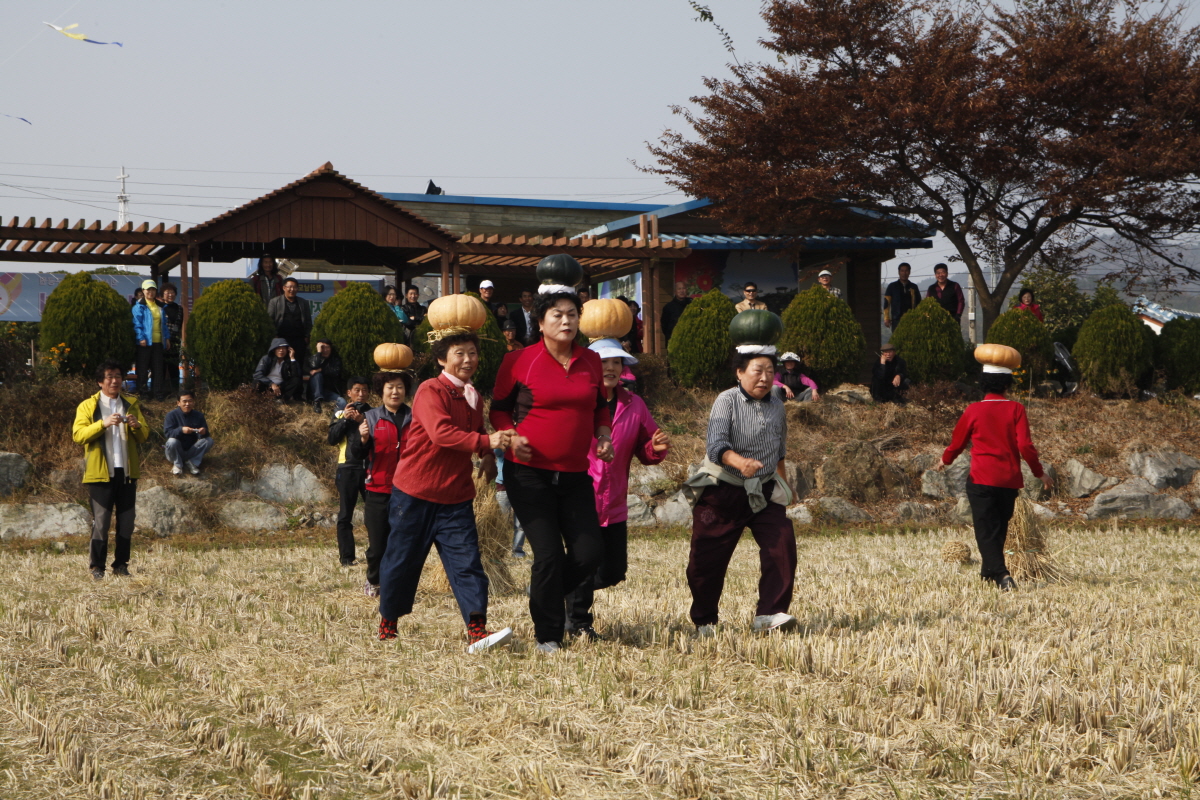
[(605, 318), (457, 311), (392, 356), (998, 355)]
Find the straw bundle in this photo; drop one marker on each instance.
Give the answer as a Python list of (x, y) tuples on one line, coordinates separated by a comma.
[(956, 553), (1025, 549), (495, 544)]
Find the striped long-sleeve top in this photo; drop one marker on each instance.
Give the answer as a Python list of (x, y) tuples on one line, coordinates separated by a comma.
[(751, 428)]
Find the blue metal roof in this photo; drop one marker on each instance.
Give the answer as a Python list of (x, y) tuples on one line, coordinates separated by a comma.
[(697, 242), (456, 199), (661, 212)]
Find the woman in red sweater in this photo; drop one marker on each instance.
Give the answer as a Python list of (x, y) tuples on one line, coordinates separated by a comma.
[(552, 394), (1028, 303), (998, 432), (432, 497)]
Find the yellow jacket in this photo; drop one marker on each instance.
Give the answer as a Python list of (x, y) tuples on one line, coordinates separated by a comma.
[(88, 431)]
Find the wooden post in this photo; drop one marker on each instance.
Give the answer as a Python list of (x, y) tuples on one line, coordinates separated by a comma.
[(184, 293), (642, 226), (195, 250), (647, 307), (656, 302), (445, 273), (458, 287)]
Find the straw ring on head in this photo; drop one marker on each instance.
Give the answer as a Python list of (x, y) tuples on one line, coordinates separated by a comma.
[(437, 334)]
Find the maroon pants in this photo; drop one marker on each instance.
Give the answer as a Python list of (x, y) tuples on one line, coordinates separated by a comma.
[(720, 516)]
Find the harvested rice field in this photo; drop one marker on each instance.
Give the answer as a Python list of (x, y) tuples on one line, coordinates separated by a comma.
[(254, 673)]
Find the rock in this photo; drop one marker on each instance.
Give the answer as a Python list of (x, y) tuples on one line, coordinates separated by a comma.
[(251, 515), (1163, 469), (858, 470), (842, 510), (193, 488), (800, 514), (280, 485), (14, 471), (162, 512), (676, 511), (357, 519), (801, 478), (1043, 512), (917, 512), (855, 394), (649, 480), (1034, 488), (918, 464), (67, 480), (1136, 498), (640, 514), (950, 482), (43, 521), (1080, 481), (962, 510)]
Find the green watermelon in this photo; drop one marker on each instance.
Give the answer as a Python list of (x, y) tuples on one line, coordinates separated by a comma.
[(560, 269), (755, 326)]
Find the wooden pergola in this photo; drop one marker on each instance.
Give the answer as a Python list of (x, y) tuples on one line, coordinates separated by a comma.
[(327, 216)]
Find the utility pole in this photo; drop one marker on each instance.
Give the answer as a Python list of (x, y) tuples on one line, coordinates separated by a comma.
[(122, 201), (972, 331)]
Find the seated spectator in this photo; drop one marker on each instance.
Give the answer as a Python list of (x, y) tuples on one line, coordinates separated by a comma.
[(1028, 303), (795, 381), (279, 373), (188, 437), (510, 336), (325, 376), (889, 378)]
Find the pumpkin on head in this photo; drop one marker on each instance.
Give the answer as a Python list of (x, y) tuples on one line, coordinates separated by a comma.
[(998, 358), (605, 319), (558, 273), (393, 357), (455, 313), (755, 331)]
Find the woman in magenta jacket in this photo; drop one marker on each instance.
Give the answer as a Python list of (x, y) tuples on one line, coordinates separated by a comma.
[(634, 433)]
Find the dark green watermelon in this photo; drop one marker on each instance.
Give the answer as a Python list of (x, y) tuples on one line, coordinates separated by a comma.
[(755, 326), (560, 269)]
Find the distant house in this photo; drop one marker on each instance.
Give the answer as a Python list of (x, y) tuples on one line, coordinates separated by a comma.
[(1156, 315)]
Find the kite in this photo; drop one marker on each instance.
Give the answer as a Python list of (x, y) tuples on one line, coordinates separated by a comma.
[(66, 32), (14, 116)]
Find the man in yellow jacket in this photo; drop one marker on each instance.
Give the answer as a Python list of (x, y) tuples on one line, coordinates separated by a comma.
[(110, 426)]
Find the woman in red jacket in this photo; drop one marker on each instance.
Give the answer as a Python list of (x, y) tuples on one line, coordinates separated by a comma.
[(552, 393), (998, 432), (1028, 303)]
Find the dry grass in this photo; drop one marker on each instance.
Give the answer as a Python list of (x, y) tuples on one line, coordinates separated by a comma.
[(254, 673)]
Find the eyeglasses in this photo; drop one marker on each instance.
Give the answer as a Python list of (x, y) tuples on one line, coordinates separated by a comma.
[(750, 291)]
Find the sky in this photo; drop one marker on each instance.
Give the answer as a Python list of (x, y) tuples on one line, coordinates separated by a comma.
[(210, 104)]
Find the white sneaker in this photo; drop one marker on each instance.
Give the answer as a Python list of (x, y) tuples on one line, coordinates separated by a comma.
[(549, 648), (706, 631), (192, 468), (775, 622), (493, 640), (176, 470)]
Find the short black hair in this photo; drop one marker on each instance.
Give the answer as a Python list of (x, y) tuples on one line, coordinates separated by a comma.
[(741, 361), (357, 379), (749, 285), (109, 365), (936, 267), (1025, 290), (168, 285), (412, 289), (903, 264), (389, 288), (290, 279), (442, 346), (995, 382), (381, 379), (187, 393), (545, 302)]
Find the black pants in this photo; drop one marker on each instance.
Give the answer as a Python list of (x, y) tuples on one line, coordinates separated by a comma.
[(558, 512), (171, 372), (350, 488), (379, 527), (991, 509), (150, 366), (291, 390), (119, 495), (615, 540)]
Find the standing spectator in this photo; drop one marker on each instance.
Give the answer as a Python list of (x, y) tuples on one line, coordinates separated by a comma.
[(632, 340), (947, 292), (392, 298), (138, 294), (173, 354), (750, 298), (350, 478), (413, 310), (325, 376), (292, 316), (153, 338), (889, 378), (377, 444), (552, 392), (110, 426), (825, 279), (526, 319), (188, 437), (518, 545), (510, 336), (487, 291), (585, 294), (278, 372), (266, 280), (901, 297), (673, 310), (795, 381), (1028, 303)]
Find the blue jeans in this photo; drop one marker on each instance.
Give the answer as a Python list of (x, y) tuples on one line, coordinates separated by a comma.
[(177, 455), (321, 394), (417, 525)]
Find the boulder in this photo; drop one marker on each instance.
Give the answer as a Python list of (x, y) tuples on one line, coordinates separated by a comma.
[(649, 480), (919, 464), (1136, 498), (67, 480), (950, 482), (1079, 481), (917, 512), (251, 515), (193, 488), (358, 519), (676, 511), (858, 470), (15, 469), (962, 510), (801, 478), (1034, 488), (298, 485), (800, 514), (1163, 469), (1043, 512), (640, 514), (842, 510), (43, 521), (162, 512)]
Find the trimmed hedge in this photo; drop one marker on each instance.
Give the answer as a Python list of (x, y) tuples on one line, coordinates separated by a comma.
[(1112, 351), (227, 333), (91, 318), (822, 330), (357, 319), (1023, 332), (931, 343), (1179, 354), (699, 349)]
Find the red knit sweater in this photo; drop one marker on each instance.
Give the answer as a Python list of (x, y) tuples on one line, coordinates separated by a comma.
[(998, 431), (435, 455), (557, 410)]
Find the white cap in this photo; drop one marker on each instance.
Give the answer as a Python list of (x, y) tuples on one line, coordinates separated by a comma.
[(611, 348), (823, 273), (487, 285), (789, 356), (995, 370)]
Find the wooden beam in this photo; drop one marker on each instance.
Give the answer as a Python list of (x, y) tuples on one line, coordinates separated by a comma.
[(445, 261), (195, 253), (647, 309), (184, 292), (92, 235), (458, 287)]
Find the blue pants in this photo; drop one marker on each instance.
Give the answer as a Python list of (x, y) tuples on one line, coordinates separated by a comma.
[(417, 525), (323, 394), (195, 454)]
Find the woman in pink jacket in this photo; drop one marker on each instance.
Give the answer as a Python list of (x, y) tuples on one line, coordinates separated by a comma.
[(634, 433)]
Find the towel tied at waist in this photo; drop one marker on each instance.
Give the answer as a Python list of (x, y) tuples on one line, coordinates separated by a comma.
[(710, 474)]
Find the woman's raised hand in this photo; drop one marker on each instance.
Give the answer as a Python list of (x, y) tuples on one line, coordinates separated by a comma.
[(660, 442)]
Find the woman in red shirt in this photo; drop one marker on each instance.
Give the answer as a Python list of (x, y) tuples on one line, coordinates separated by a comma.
[(998, 432), (1029, 304), (552, 393)]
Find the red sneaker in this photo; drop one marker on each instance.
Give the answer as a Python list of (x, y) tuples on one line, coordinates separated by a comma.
[(387, 629)]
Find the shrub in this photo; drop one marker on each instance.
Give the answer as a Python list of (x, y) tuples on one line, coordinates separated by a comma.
[(228, 331), (822, 330), (1023, 332), (1112, 351), (356, 320), (92, 319), (699, 349), (930, 342), (491, 353), (1179, 354)]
